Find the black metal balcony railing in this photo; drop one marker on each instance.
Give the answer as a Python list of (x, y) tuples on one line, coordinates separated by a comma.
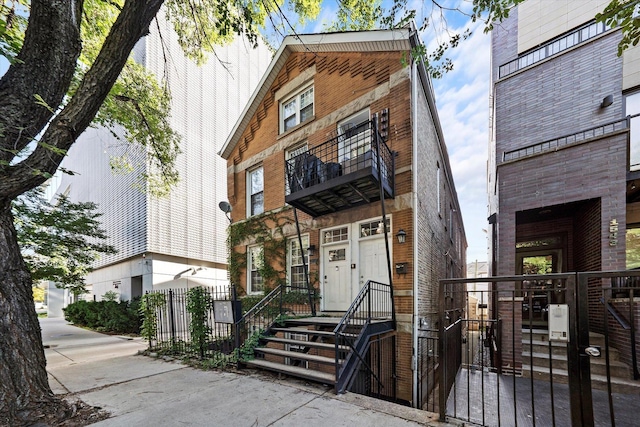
[(341, 173), (567, 140)]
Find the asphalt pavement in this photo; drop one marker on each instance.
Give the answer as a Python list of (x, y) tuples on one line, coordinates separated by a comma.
[(106, 371)]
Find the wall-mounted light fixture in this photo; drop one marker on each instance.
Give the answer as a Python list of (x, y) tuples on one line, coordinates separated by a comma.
[(606, 101), (311, 250), (402, 236)]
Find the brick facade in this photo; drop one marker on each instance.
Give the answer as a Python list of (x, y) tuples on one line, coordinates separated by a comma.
[(346, 82), (574, 187)]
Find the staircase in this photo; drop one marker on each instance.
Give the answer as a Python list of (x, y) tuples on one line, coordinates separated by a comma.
[(303, 348), (539, 363)]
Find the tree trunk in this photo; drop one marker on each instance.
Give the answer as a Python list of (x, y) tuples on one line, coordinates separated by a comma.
[(24, 387)]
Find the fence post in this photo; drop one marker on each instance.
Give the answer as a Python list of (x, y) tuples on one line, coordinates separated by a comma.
[(172, 320)]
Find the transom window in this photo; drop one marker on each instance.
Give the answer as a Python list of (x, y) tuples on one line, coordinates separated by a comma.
[(374, 227), (337, 235), (255, 187), (297, 109), (255, 262)]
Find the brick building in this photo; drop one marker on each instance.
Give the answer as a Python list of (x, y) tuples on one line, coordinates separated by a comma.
[(307, 140), (563, 162)]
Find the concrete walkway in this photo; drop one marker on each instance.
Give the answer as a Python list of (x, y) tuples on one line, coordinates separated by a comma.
[(105, 371)]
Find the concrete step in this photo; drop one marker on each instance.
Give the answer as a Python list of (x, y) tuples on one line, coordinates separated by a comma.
[(295, 371), (312, 344), (297, 355), (598, 364), (306, 331), (598, 382)]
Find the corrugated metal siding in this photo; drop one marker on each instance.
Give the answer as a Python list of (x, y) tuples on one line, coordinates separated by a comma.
[(206, 103)]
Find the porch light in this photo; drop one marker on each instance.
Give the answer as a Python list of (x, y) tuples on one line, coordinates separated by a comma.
[(402, 236), (311, 250)]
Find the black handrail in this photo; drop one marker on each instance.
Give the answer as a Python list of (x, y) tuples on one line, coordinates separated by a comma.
[(372, 303), (281, 301)]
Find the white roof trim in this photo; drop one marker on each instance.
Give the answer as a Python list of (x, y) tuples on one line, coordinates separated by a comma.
[(356, 41)]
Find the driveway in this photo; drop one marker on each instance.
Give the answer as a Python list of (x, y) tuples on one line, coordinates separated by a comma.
[(107, 372)]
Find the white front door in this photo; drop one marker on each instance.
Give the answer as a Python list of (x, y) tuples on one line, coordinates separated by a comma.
[(336, 294), (373, 262)]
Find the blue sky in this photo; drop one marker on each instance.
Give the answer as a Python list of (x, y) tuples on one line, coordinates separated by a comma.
[(462, 98)]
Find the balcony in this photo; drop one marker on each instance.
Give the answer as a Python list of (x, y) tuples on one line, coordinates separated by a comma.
[(341, 173)]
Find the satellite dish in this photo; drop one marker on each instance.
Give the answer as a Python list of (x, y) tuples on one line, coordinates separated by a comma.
[(225, 206)]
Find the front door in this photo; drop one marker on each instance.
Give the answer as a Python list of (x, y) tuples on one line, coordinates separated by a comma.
[(336, 294), (373, 263)]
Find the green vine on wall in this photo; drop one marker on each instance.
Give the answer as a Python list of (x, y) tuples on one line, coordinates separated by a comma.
[(266, 230)]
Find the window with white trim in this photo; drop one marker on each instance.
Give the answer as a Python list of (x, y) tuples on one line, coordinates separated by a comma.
[(294, 261), (297, 109), (255, 262), (438, 189), (255, 191)]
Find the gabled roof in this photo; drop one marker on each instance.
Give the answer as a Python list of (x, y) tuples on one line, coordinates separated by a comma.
[(356, 41)]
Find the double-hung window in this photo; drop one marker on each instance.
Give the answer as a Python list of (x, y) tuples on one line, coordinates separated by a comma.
[(297, 109), (255, 262), (296, 266), (255, 191)]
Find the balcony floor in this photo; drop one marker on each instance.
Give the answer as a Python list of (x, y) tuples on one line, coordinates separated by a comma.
[(358, 188)]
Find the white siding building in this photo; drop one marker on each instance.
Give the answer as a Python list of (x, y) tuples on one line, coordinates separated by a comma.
[(180, 240)]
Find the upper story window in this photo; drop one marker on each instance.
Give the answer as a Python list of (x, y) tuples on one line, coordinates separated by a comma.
[(255, 191), (438, 189), (354, 136), (297, 109)]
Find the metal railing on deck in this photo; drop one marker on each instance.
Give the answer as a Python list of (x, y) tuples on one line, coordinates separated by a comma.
[(567, 140), (373, 304), (344, 154)]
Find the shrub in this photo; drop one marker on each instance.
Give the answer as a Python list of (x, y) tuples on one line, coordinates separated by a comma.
[(106, 316)]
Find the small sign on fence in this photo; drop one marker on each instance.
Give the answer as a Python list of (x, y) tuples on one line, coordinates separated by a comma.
[(223, 311)]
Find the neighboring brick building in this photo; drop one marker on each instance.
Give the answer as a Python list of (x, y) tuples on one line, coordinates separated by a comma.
[(563, 161), (315, 113)]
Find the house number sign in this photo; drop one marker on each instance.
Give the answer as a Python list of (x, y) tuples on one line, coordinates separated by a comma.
[(613, 232)]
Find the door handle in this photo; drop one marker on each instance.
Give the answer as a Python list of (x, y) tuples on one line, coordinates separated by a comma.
[(593, 351)]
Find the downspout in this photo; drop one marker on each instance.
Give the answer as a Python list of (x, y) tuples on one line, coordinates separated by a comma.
[(377, 138), (304, 265), (414, 240)]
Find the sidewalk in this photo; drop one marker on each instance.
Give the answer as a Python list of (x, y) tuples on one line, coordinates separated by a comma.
[(105, 371)]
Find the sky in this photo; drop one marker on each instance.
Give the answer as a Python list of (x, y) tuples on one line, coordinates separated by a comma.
[(462, 100)]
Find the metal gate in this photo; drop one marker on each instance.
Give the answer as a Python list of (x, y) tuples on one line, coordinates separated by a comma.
[(555, 349)]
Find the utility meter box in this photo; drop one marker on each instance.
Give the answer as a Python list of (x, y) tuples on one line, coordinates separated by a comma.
[(558, 322)]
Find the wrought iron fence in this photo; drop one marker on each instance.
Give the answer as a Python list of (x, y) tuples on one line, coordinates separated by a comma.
[(540, 349), (428, 363), (170, 324)]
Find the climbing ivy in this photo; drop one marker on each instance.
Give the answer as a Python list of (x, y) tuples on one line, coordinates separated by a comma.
[(265, 230), (199, 304), (149, 306)]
